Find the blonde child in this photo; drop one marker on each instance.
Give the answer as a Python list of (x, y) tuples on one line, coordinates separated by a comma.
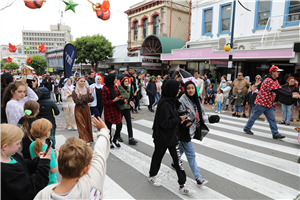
[(31, 109), (219, 99), (82, 170), (20, 178), (40, 129), (239, 101), (14, 99)]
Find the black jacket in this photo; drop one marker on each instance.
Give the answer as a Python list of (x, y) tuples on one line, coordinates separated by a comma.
[(46, 106), (250, 98), (48, 84), (26, 141), (24, 179), (166, 125), (288, 100), (151, 89), (90, 80)]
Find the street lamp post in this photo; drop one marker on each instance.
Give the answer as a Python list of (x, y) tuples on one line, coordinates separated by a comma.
[(231, 43)]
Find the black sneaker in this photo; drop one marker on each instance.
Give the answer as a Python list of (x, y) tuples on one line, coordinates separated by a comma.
[(238, 116), (248, 132), (120, 139), (278, 136), (173, 166), (233, 114), (139, 109), (117, 143), (111, 146), (151, 110), (201, 181), (244, 115), (132, 141)]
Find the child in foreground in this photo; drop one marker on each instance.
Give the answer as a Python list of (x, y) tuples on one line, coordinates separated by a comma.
[(20, 178), (40, 129), (82, 170)]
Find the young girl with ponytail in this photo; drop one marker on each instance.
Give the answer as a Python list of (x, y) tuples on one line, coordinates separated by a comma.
[(40, 129), (31, 109)]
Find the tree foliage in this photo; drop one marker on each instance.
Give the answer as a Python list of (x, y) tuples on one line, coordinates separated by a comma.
[(11, 65), (38, 62), (92, 50), (2, 64)]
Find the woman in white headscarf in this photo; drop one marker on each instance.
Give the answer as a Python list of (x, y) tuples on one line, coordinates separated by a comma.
[(81, 97), (68, 104), (96, 106)]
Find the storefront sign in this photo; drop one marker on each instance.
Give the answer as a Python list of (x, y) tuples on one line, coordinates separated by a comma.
[(205, 54), (218, 62), (148, 60), (49, 69)]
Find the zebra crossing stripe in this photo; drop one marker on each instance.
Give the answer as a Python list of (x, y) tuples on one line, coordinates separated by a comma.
[(265, 127), (141, 163), (264, 159), (241, 138), (257, 133), (112, 190), (257, 122), (237, 175)]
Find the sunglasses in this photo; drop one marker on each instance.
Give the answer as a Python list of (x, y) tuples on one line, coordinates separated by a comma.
[(239, 75)]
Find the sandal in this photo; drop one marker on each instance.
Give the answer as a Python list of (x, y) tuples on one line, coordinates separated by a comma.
[(291, 119), (288, 123), (282, 122), (298, 119)]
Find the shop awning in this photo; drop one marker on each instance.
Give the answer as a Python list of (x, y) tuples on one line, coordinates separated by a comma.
[(156, 45)]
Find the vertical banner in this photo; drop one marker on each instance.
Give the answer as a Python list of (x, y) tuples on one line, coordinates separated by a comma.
[(69, 58)]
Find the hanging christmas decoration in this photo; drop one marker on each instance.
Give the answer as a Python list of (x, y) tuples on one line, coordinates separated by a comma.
[(34, 4), (12, 48), (41, 48), (28, 60), (9, 59), (102, 10), (27, 48), (70, 5)]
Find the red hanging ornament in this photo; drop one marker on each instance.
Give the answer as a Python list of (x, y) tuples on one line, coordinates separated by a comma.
[(28, 60), (34, 4), (9, 59)]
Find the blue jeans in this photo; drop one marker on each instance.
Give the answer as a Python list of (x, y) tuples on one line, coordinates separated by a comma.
[(97, 112), (239, 109), (188, 149), (268, 112), (287, 112), (50, 92), (251, 108), (157, 96), (218, 106)]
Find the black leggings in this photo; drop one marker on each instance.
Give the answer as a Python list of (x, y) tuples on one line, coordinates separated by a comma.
[(159, 152), (118, 130), (58, 95), (126, 114)]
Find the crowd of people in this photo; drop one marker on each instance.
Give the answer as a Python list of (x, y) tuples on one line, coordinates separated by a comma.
[(28, 121)]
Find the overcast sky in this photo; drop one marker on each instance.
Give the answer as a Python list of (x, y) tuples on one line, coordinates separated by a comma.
[(83, 22)]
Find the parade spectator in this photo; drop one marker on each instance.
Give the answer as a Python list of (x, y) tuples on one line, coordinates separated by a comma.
[(68, 104), (210, 93), (124, 90), (82, 96), (225, 87), (57, 89), (297, 75), (158, 87), (77, 75), (257, 81), (139, 83), (265, 100), (165, 135), (6, 79), (287, 104), (96, 106), (239, 101), (111, 102), (135, 91), (48, 110), (191, 128), (48, 82), (82, 169), (40, 129), (251, 98), (151, 92), (14, 99), (219, 100), (242, 83), (90, 78), (20, 178), (31, 110), (200, 83)]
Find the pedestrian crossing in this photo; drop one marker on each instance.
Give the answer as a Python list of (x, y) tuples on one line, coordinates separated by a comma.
[(237, 165)]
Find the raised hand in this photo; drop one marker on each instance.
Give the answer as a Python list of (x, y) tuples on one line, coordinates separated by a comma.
[(92, 90)]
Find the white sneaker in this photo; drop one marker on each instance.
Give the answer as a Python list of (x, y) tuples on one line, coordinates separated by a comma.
[(185, 190), (69, 128), (75, 128), (57, 103), (216, 111), (154, 181), (219, 112), (223, 111), (201, 181)]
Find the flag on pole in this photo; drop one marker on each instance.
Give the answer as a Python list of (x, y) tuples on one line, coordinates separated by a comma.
[(186, 76)]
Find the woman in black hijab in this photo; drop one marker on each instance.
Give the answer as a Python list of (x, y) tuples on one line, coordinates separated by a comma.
[(111, 103), (165, 134)]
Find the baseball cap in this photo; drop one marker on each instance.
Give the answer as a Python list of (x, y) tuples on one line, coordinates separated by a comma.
[(275, 69)]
